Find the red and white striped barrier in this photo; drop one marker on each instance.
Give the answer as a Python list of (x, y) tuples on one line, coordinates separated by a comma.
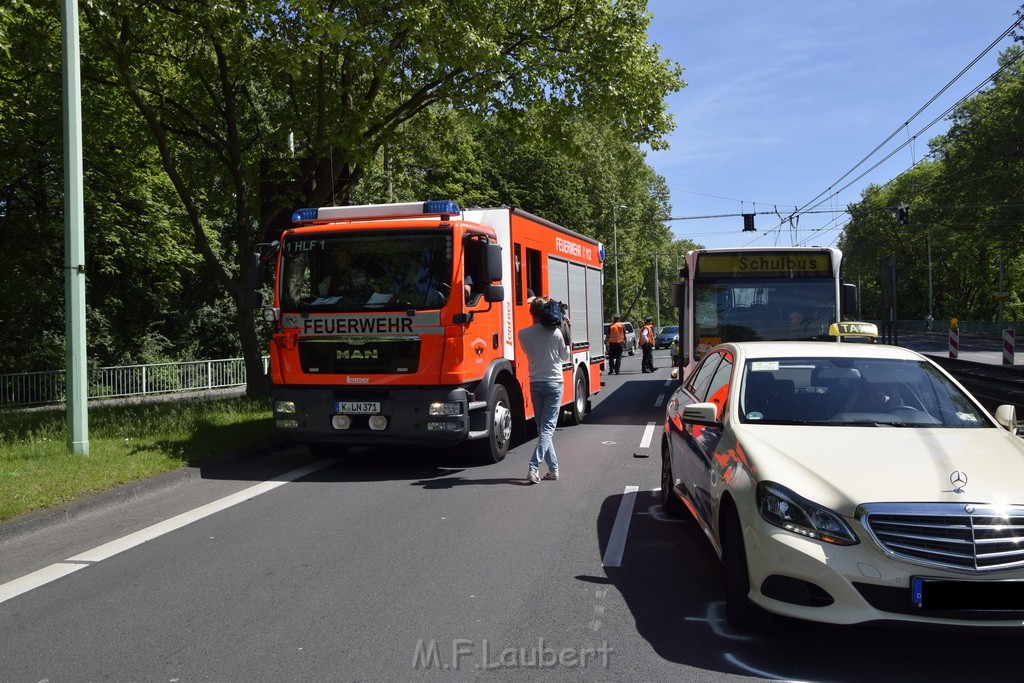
[(954, 342), (1008, 347)]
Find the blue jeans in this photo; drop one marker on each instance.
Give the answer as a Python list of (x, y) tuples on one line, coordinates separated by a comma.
[(547, 402)]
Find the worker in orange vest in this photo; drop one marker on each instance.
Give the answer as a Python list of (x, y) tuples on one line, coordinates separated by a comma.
[(616, 340), (647, 345)]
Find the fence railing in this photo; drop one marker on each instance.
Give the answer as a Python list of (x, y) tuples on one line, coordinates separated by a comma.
[(41, 388)]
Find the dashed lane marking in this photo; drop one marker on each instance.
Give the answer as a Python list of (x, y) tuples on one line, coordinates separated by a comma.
[(645, 442), (620, 530)]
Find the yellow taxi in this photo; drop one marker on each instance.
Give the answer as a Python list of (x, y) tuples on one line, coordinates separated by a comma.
[(848, 483)]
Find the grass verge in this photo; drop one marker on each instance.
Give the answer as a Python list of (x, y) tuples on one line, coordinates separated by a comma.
[(126, 443)]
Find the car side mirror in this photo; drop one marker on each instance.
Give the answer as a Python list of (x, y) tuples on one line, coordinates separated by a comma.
[(702, 414), (1006, 416)]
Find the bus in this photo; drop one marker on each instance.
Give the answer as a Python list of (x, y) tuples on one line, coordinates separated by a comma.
[(751, 294)]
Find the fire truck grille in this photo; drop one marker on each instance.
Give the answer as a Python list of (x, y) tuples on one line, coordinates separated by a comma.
[(359, 355), (963, 537)]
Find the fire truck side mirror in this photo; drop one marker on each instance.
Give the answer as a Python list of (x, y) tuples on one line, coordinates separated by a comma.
[(255, 271), (492, 265), (494, 293), (257, 276)]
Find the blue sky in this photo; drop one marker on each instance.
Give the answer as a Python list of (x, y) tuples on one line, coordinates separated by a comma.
[(785, 97)]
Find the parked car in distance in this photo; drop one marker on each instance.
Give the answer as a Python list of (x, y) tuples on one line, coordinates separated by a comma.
[(848, 483), (663, 339), (630, 345)]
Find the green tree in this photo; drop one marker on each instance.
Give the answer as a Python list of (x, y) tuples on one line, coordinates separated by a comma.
[(137, 270), (222, 85)]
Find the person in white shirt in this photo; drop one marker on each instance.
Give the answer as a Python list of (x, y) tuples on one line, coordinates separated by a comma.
[(546, 351)]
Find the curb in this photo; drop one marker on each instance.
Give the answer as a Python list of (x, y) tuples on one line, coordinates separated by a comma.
[(90, 503)]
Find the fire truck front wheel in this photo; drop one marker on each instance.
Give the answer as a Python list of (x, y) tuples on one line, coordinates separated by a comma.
[(495, 445)]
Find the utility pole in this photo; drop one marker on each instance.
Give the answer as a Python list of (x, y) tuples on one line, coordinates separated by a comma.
[(76, 370), (931, 309)]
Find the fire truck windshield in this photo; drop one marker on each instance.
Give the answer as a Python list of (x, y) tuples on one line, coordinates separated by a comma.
[(366, 270)]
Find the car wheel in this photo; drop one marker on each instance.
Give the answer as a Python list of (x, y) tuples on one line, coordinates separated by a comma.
[(577, 410), (494, 447), (670, 503), (739, 610), (632, 349)]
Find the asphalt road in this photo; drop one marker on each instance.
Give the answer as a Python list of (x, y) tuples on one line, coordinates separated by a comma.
[(420, 566)]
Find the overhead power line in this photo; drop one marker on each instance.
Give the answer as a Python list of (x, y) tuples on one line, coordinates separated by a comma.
[(746, 213), (896, 132)]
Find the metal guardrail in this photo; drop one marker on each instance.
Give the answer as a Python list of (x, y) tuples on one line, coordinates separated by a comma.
[(41, 388)]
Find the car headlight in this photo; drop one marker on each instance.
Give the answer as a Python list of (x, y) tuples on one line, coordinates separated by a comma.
[(783, 508)]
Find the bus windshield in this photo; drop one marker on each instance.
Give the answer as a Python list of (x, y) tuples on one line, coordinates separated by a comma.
[(748, 309)]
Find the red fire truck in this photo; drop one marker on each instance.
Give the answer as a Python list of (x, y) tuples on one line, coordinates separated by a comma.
[(397, 324)]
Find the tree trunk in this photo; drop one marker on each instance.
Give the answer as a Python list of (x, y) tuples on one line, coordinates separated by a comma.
[(257, 381)]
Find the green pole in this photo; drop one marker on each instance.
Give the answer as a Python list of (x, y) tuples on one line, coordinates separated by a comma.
[(74, 238)]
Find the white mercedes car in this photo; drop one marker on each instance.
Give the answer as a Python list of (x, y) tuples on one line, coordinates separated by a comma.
[(848, 483)]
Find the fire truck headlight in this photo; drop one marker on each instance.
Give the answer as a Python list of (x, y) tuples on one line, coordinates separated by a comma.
[(341, 421), (378, 422), (284, 407), (270, 314), (445, 408)]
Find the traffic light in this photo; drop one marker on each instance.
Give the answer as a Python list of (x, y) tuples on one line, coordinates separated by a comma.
[(902, 215), (748, 223)]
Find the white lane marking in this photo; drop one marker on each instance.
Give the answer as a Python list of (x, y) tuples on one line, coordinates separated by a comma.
[(648, 435), (659, 401), (36, 579), (617, 540), (55, 571)]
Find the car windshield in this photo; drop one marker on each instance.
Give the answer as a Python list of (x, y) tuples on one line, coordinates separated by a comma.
[(867, 392), (670, 331)]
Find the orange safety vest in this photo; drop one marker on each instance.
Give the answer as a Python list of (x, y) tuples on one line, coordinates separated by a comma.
[(617, 333), (647, 335)]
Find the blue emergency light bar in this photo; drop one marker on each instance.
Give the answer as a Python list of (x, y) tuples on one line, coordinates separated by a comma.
[(445, 207)]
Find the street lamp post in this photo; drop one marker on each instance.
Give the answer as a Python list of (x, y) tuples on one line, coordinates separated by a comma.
[(657, 301), (615, 248)]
